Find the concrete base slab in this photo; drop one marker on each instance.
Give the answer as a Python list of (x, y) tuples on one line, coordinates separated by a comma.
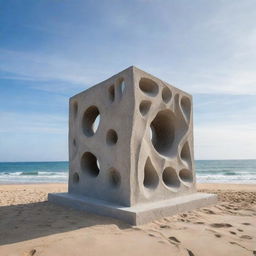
[(139, 214)]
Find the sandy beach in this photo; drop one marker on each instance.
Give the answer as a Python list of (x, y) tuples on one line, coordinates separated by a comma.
[(31, 226)]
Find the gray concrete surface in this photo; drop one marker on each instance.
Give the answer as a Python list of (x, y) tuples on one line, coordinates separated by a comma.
[(138, 214), (131, 143)]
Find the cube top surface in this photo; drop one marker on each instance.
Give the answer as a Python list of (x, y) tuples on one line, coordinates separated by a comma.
[(131, 140), (132, 69)]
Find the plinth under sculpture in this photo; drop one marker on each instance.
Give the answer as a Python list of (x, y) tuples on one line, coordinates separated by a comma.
[(131, 150)]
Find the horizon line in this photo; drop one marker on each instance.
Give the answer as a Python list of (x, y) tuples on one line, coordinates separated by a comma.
[(68, 160)]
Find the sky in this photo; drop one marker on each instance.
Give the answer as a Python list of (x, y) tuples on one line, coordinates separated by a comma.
[(53, 49)]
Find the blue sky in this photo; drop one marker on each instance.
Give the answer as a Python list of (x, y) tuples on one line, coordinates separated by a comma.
[(50, 50)]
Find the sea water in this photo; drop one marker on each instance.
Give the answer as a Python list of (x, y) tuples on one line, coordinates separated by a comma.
[(207, 171), (34, 172), (226, 171)]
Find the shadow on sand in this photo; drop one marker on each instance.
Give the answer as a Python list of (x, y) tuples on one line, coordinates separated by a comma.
[(28, 221)]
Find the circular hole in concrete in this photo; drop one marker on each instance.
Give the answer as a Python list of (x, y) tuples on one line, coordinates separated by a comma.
[(111, 93), (90, 164), (91, 121), (75, 178), (111, 137), (186, 176), (144, 107), (163, 131), (151, 179), (186, 106), (148, 86), (170, 178), (166, 94), (114, 178)]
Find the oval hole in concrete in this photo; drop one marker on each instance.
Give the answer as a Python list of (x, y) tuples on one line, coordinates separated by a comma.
[(151, 179), (170, 178), (166, 94), (91, 121), (111, 93), (186, 107), (114, 178), (75, 109), (111, 137), (144, 107), (186, 175), (163, 131), (148, 86), (90, 164), (75, 178)]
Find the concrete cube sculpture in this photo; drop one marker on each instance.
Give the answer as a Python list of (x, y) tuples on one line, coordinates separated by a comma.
[(131, 150)]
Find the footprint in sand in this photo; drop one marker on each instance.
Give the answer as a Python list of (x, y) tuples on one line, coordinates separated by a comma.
[(136, 228), (218, 235), (246, 237), (173, 238), (232, 232), (240, 230), (164, 226), (221, 225), (208, 211), (246, 224), (30, 253), (239, 245), (199, 222), (161, 242), (190, 253)]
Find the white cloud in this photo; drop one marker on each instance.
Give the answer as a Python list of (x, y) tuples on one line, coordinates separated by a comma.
[(41, 67), (16, 123), (225, 82), (225, 141)]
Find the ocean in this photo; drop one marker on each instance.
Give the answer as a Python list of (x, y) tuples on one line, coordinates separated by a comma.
[(207, 171)]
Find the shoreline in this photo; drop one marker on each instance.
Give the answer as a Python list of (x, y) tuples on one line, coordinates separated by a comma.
[(200, 186), (226, 186), (32, 183)]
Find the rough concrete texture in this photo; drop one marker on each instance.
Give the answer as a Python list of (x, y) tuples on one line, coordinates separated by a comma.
[(131, 144)]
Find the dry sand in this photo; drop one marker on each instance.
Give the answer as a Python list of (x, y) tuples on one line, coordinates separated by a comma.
[(30, 225)]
